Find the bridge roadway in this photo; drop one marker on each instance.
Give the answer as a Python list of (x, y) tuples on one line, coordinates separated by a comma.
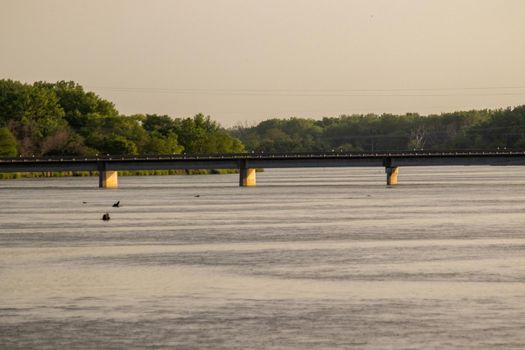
[(246, 163)]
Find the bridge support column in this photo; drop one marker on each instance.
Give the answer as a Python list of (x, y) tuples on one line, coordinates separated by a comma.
[(107, 178), (246, 175), (391, 175)]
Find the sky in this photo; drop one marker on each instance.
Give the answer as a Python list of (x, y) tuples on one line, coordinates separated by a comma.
[(243, 61)]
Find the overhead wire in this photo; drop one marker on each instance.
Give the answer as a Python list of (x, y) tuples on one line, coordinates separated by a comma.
[(395, 92)]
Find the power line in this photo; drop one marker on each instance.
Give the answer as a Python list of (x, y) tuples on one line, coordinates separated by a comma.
[(304, 90), (447, 92)]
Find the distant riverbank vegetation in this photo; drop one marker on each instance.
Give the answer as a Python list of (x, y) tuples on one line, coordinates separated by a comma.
[(55, 119), (62, 119), (18, 175), (468, 130)]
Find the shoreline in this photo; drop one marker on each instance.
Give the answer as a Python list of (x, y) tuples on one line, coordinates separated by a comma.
[(22, 175)]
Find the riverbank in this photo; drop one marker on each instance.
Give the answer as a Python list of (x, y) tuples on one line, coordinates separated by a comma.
[(47, 174)]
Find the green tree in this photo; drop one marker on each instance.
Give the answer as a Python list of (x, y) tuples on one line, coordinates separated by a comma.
[(118, 135), (502, 129), (80, 107), (202, 135), (8, 147), (162, 145), (114, 144), (163, 137), (159, 124), (32, 113)]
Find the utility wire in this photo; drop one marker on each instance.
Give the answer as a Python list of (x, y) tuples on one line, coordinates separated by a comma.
[(464, 91)]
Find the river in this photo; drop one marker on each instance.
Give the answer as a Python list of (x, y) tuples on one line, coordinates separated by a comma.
[(308, 259)]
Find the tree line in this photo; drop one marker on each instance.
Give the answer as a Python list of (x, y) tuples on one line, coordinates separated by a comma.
[(63, 119), (469, 130)]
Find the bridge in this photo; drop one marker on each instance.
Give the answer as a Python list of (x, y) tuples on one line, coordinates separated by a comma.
[(247, 163)]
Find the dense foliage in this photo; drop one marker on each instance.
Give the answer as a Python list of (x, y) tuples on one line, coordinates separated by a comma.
[(63, 119), (485, 129)]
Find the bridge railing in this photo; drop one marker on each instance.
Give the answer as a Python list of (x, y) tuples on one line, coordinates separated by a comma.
[(261, 155)]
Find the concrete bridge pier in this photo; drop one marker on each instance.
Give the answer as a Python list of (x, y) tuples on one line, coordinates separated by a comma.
[(391, 175), (107, 178), (246, 175)]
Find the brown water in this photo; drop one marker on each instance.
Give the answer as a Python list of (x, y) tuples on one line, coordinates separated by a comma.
[(308, 259)]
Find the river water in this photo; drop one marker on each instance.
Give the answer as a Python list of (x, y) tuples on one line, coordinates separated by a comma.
[(308, 259)]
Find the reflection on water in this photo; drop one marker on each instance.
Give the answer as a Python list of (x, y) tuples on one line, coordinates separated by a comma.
[(323, 258)]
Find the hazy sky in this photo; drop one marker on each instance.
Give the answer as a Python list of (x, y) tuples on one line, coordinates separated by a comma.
[(247, 60)]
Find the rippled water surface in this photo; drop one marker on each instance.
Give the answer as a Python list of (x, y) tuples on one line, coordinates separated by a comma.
[(308, 259)]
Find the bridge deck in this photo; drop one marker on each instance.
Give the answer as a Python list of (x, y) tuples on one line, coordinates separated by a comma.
[(251, 160)]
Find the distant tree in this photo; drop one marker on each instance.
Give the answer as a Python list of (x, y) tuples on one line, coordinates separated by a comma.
[(116, 135), (64, 142), (8, 147), (501, 129), (163, 135), (159, 124), (282, 135), (114, 144), (162, 145), (32, 113), (80, 107), (202, 135)]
